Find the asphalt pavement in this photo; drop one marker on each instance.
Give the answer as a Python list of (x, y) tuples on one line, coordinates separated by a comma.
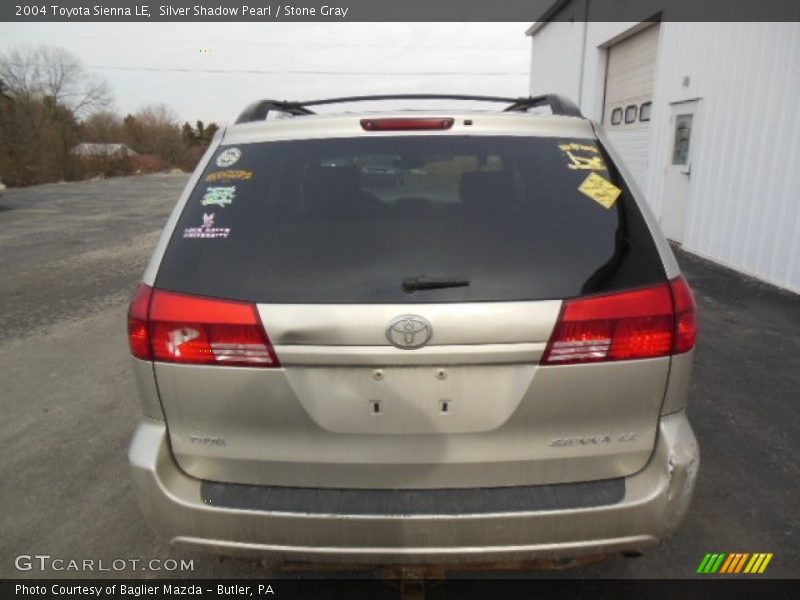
[(70, 256)]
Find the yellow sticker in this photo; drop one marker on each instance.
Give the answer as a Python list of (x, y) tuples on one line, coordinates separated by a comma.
[(229, 175), (592, 162), (574, 146), (595, 163), (600, 189)]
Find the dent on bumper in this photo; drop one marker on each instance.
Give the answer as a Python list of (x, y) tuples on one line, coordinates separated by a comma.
[(656, 500)]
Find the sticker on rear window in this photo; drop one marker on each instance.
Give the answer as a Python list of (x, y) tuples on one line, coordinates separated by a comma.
[(600, 189), (583, 156), (229, 175), (207, 230), (219, 195), (228, 157)]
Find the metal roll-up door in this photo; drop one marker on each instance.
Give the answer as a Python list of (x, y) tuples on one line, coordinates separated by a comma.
[(628, 97)]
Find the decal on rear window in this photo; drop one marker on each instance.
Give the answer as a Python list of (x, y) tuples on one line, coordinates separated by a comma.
[(207, 229), (228, 157), (229, 175), (600, 189), (582, 156), (220, 196)]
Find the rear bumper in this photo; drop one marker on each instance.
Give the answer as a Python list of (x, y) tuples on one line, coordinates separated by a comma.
[(655, 501)]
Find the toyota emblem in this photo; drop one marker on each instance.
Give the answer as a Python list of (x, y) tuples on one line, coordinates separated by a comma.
[(409, 331)]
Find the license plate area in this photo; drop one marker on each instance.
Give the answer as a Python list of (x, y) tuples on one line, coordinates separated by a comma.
[(404, 400)]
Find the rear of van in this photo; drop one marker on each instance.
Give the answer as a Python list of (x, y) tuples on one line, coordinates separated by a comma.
[(413, 338)]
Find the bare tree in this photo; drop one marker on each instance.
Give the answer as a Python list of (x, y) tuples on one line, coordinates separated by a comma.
[(154, 129), (102, 127), (158, 115), (49, 71), (48, 91), (49, 103)]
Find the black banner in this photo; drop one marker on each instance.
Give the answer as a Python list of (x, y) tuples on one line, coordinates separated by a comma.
[(396, 10), (397, 589)]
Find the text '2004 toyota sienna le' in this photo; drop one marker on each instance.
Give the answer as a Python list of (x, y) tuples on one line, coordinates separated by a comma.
[(413, 337)]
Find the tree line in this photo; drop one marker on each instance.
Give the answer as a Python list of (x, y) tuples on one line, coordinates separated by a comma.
[(49, 103)]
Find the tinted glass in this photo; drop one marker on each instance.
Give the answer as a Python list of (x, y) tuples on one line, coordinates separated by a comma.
[(347, 220)]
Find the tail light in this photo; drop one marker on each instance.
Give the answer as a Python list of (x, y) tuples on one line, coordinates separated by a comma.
[(138, 333), (405, 124), (644, 323), (685, 309), (178, 328)]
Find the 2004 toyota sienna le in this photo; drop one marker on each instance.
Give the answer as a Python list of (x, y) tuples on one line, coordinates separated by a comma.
[(485, 356)]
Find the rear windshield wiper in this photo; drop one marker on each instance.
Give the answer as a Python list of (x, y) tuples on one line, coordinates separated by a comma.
[(425, 282)]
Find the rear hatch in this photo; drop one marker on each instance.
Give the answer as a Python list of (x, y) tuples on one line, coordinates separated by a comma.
[(408, 285)]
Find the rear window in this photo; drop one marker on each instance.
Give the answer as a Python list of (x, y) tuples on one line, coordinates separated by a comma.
[(348, 220)]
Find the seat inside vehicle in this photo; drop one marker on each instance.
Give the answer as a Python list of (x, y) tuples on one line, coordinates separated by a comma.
[(332, 191)]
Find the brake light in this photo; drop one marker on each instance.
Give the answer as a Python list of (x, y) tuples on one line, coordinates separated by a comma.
[(193, 330), (644, 323), (405, 124)]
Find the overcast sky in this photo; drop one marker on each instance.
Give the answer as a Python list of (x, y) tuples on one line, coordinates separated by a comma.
[(210, 71)]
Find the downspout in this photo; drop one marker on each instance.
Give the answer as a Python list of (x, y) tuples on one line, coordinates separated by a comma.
[(583, 54)]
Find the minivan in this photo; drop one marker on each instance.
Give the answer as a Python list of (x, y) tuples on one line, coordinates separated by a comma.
[(413, 336)]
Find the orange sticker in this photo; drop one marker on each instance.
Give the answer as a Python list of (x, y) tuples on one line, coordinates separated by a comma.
[(229, 175)]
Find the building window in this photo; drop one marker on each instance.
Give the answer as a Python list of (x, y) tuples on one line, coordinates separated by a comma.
[(630, 113), (644, 111), (616, 116), (683, 134)]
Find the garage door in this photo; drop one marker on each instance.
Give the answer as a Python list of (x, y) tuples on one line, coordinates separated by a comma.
[(628, 96)]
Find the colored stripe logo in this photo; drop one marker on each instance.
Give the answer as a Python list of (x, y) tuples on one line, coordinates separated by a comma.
[(734, 563)]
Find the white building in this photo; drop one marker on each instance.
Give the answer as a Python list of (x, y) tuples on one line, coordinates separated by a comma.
[(88, 150), (707, 118)]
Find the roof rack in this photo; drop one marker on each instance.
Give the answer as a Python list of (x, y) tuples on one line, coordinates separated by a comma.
[(558, 104)]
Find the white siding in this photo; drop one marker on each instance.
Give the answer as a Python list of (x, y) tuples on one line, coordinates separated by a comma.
[(743, 208), (556, 60)]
